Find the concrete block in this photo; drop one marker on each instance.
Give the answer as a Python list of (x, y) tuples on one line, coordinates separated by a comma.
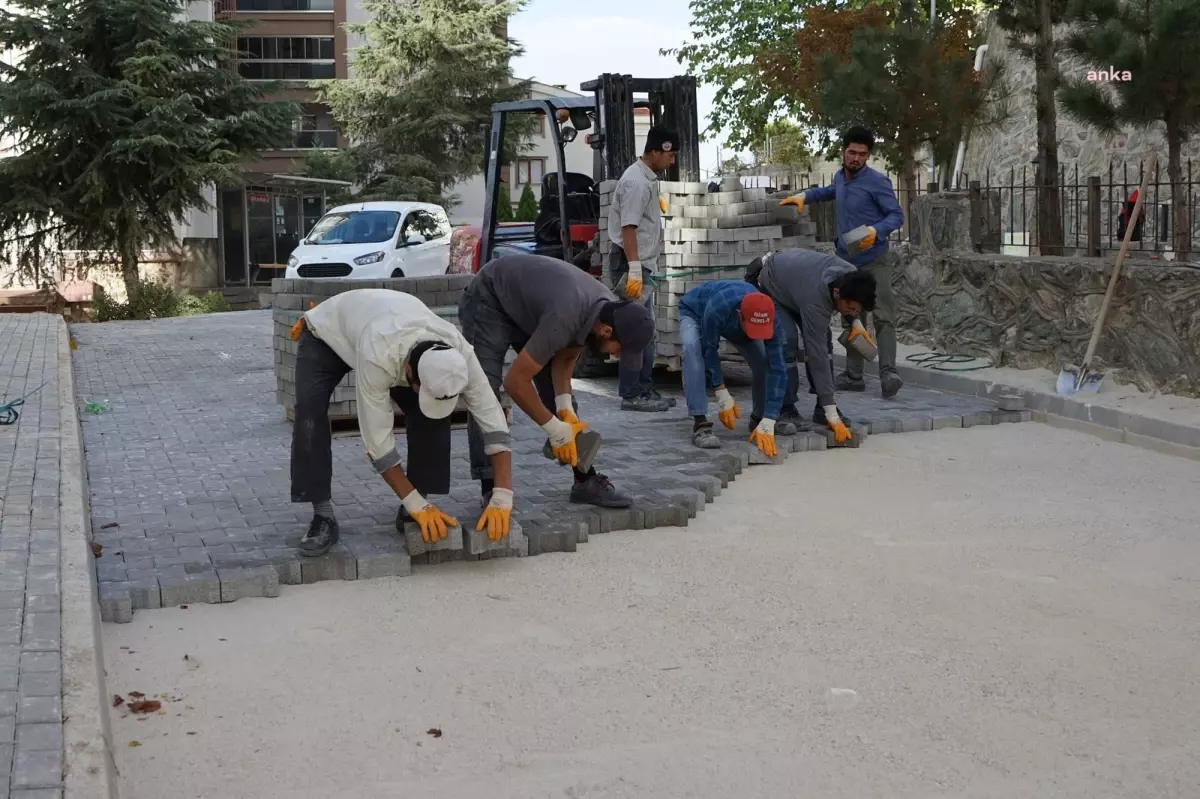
[(338, 564), (179, 586), (515, 544), (916, 425), (1011, 402), (417, 545), (816, 440), (757, 458), (882, 426), (144, 590), (385, 559), (1007, 417), (977, 419), (248, 581), (36, 769), (115, 603), (943, 422), (693, 499), (556, 537)]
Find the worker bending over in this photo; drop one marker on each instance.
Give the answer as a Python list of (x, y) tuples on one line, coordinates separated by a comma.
[(809, 286), (733, 310), (547, 310), (399, 350)]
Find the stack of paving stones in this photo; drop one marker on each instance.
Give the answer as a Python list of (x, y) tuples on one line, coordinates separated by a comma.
[(293, 296), (31, 738), (189, 484), (707, 236)]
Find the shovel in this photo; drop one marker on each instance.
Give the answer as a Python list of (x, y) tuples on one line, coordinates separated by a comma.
[(1074, 379)]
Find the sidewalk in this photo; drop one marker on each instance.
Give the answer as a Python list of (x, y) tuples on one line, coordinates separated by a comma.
[(49, 637)]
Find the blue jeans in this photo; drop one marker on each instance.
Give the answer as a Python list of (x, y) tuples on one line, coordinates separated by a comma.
[(630, 384), (696, 377)]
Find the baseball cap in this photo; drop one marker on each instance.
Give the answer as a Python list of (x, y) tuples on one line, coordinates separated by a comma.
[(442, 374), (758, 316), (633, 326)]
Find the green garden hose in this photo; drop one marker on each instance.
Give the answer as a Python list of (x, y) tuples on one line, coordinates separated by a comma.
[(8, 411), (938, 361)]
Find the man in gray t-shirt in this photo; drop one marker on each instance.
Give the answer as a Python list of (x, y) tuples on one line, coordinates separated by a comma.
[(635, 228), (548, 310)]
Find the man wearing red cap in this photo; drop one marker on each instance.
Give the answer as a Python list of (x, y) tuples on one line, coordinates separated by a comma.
[(737, 312)]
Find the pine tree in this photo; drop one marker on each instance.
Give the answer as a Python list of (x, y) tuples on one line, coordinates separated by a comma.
[(123, 113), (527, 208), (1151, 41), (418, 105), (1030, 25), (504, 209)]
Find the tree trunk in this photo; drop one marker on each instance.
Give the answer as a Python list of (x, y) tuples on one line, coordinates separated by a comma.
[(129, 267), (1049, 208), (1180, 218), (908, 191)]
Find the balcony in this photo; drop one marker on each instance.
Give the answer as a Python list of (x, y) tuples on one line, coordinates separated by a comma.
[(315, 140), (258, 6)]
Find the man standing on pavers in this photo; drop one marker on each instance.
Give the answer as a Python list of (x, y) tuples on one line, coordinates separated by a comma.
[(399, 350), (635, 229), (809, 286), (548, 310), (864, 199), (733, 310)]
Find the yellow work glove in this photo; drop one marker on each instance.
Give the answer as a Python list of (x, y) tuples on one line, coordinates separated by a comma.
[(496, 515), (433, 522), (727, 409), (797, 201), (841, 433), (662, 203), (763, 437), (562, 440), (858, 331), (869, 240), (633, 283), (566, 409)]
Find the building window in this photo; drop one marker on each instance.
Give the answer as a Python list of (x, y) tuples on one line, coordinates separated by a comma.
[(314, 131), (286, 57), (530, 170), (542, 125), (285, 5)]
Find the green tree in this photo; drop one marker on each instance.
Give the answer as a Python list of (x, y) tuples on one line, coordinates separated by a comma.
[(527, 208), (1152, 41), (504, 209), (783, 143), (419, 103), (1030, 25), (123, 114)]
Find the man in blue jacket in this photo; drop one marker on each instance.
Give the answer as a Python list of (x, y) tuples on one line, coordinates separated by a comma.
[(864, 197), (739, 313)]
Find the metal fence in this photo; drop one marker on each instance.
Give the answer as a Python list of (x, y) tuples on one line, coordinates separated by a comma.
[(1089, 206)]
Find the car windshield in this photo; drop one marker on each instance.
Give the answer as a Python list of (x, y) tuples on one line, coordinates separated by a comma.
[(355, 227)]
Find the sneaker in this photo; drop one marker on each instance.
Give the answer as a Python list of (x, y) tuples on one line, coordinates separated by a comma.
[(705, 438), (669, 400), (598, 490), (845, 382), (891, 384), (645, 404), (321, 536)]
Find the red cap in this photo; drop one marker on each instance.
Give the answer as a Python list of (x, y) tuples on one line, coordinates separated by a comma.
[(758, 316)]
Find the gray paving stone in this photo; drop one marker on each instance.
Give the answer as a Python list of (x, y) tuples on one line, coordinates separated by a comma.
[(37, 768), (39, 710), (515, 544), (177, 587), (42, 632), (418, 546), (38, 793), (916, 425), (339, 564), (40, 683), (8, 730), (944, 422), (33, 737), (248, 581)]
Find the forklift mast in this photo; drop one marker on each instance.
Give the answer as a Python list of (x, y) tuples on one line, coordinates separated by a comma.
[(672, 102)]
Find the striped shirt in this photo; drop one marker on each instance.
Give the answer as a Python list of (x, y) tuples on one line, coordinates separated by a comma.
[(716, 305)]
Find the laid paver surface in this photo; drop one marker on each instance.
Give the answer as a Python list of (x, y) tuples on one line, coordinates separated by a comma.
[(31, 749), (189, 475)]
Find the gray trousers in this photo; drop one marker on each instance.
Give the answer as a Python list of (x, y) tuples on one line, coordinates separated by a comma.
[(318, 372), (491, 333), (631, 385), (884, 317)]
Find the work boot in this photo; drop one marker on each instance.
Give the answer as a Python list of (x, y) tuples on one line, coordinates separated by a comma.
[(819, 421), (704, 437), (321, 536), (792, 416), (646, 403), (891, 384), (598, 490), (845, 382), (656, 395)]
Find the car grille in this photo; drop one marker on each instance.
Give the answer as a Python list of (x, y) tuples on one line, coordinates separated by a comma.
[(324, 270)]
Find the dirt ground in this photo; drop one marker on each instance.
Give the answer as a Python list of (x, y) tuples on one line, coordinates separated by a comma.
[(994, 612)]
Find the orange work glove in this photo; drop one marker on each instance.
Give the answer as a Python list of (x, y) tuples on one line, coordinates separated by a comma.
[(797, 201), (727, 409), (496, 515)]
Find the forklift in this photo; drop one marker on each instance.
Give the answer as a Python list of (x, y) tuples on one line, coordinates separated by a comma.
[(573, 196)]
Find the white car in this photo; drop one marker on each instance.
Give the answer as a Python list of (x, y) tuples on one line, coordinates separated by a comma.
[(375, 241)]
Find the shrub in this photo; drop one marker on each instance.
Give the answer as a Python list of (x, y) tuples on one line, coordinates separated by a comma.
[(157, 300), (504, 209), (527, 209)]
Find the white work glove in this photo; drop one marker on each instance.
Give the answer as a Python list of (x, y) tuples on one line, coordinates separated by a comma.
[(727, 409), (763, 437), (565, 406), (633, 283), (834, 422), (501, 498), (434, 523)]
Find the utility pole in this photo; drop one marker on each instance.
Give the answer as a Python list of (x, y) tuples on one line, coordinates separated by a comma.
[(932, 159)]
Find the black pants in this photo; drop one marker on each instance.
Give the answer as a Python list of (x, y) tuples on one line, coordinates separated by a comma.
[(491, 333), (318, 372)]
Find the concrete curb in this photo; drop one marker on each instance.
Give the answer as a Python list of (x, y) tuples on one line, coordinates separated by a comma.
[(1110, 424), (89, 771)]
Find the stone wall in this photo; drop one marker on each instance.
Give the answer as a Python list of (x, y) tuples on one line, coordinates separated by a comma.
[(292, 297)]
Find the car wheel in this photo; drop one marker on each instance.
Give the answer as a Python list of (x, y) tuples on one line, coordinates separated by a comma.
[(397, 272)]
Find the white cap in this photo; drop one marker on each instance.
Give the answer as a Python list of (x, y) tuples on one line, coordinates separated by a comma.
[(442, 374)]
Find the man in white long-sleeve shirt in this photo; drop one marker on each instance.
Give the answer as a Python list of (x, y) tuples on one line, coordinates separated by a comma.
[(399, 350)]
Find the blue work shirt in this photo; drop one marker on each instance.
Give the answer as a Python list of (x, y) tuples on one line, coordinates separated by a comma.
[(865, 199), (716, 305)]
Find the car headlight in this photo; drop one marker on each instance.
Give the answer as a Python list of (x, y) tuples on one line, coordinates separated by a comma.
[(370, 258), (293, 262)]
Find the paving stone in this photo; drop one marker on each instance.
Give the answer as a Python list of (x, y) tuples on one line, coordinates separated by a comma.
[(384, 558), (39, 710), (37, 793), (944, 422), (8, 730), (559, 537), (248, 581), (33, 737), (177, 586), (759, 458), (42, 632), (40, 683), (418, 546), (116, 604), (1008, 417), (978, 418), (515, 544), (338, 564), (37, 768)]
